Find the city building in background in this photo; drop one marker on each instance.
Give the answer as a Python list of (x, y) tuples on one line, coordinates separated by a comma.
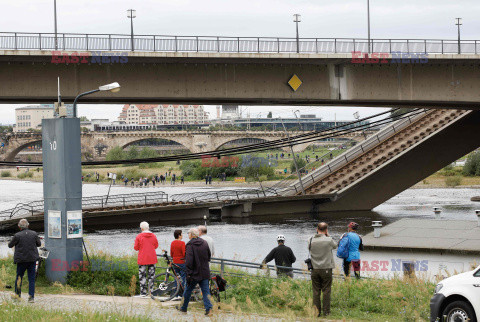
[(30, 117), (164, 114)]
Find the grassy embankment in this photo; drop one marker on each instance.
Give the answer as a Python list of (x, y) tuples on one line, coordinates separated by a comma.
[(368, 299)]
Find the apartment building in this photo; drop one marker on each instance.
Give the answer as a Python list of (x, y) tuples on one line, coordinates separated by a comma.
[(30, 117), (165, 114)]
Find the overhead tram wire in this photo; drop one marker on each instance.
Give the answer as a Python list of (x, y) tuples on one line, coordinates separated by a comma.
[(249, 148), (303, 138), (310, 137)]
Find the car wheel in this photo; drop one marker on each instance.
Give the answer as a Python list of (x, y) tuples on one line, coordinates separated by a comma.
[(459, 311)]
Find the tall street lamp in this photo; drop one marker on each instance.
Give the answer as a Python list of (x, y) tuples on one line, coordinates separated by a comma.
[(132, 13), (55, 22), (297, 20), (368, 18), (458, 23), (113, 87)]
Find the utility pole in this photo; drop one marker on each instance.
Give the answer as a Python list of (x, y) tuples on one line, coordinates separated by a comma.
[(132, 13), (55, 22), (297, 20), (368, 18), (294, 159), (459, 23)]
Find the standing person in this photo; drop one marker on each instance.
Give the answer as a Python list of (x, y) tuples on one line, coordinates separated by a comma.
[(209, 179), (283, 256), (202, 230), (182, 180), (206, 179), (197, 258), (354, 246), (320, 248), (145, 243), (177, 251), (25, 242)]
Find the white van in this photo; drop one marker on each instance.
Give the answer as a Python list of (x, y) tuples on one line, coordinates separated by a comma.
[(457, 298)]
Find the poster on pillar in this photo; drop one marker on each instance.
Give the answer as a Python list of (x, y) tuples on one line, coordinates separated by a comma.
[(74, 224), (54, 224)]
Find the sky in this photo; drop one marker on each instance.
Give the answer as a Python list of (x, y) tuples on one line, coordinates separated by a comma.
[(431, 19)]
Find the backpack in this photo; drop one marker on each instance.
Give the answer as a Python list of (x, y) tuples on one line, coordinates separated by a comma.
[(221, 283), (343, 247)]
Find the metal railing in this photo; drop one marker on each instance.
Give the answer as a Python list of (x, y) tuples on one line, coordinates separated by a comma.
[(359, 149), (163, 43), (223, 262), (223, 195), (135, 199)]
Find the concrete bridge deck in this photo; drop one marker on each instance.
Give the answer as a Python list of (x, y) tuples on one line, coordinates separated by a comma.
[(444, 80)]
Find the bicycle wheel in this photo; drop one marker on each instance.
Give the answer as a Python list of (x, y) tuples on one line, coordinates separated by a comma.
[(214, 291), (166, 285)]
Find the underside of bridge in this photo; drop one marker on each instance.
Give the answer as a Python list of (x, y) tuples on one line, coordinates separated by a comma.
[(216, 78), (396, 163)]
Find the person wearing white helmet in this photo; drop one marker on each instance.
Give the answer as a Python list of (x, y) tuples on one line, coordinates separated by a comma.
[(283, 256)]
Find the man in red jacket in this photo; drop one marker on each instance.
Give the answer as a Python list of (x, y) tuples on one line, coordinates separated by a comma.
[(146, 243)]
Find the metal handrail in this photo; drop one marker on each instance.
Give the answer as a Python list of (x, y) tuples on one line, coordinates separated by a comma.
[(122, 200), (359, 149), (226, 44)]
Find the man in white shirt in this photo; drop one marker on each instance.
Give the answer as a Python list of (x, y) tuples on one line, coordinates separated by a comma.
[(208, 239)]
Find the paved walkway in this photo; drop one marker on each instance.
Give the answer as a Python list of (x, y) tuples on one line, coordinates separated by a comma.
[(129, 306)]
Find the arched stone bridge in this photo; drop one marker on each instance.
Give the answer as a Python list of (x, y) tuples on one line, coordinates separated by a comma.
[(194, 141)]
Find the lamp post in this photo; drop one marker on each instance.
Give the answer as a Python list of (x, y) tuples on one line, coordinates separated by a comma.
[(297, 20), (293, 156), (298, 120), (458, 23), (368, 18), (62, 191), (113, 87), (132, 13), (55, 22)]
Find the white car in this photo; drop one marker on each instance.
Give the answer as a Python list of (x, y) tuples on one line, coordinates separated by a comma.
[(457, 298)]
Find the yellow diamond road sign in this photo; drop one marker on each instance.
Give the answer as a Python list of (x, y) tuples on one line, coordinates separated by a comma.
[(294, 82)]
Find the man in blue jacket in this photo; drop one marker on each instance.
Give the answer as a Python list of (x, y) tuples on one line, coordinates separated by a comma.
[(355, 245), (25, 256)]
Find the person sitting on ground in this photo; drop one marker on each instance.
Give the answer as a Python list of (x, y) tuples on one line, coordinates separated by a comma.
[(320, 248), (203, 235), (177, 251), (197, 258), (25, 256), (145, 243), (354, 247), (283, 256)]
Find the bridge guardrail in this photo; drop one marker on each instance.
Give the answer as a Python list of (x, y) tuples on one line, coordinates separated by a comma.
[(356, 151), (122, 200), (221, 44)]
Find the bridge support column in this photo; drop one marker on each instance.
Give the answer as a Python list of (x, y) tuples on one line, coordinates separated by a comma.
[(62, 192)]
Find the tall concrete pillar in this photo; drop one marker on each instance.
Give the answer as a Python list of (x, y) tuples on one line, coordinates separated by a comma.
[(62, 192)]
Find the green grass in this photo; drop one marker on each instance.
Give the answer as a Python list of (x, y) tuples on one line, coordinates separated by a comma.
[(12, 311), (398, 299)]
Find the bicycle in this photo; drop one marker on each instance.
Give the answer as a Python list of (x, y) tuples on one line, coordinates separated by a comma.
[(168, 284)]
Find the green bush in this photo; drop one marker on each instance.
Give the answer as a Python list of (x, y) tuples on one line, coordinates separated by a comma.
[(6, 174), (116, 153), (300, 162), (197, 170), (24, 175), (132, 173), (472, 165), (453, 181)]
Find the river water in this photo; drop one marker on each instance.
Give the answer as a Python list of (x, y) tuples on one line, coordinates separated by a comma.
[(253, 240)]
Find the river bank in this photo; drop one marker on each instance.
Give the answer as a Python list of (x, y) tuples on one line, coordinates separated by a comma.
[(397, 299)]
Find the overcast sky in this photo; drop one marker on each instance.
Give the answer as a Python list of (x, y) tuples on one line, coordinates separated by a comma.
[(432, 19)]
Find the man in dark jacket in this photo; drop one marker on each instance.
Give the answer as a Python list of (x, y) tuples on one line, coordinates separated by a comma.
[(283, 256), (25, 242), (197, 258)]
